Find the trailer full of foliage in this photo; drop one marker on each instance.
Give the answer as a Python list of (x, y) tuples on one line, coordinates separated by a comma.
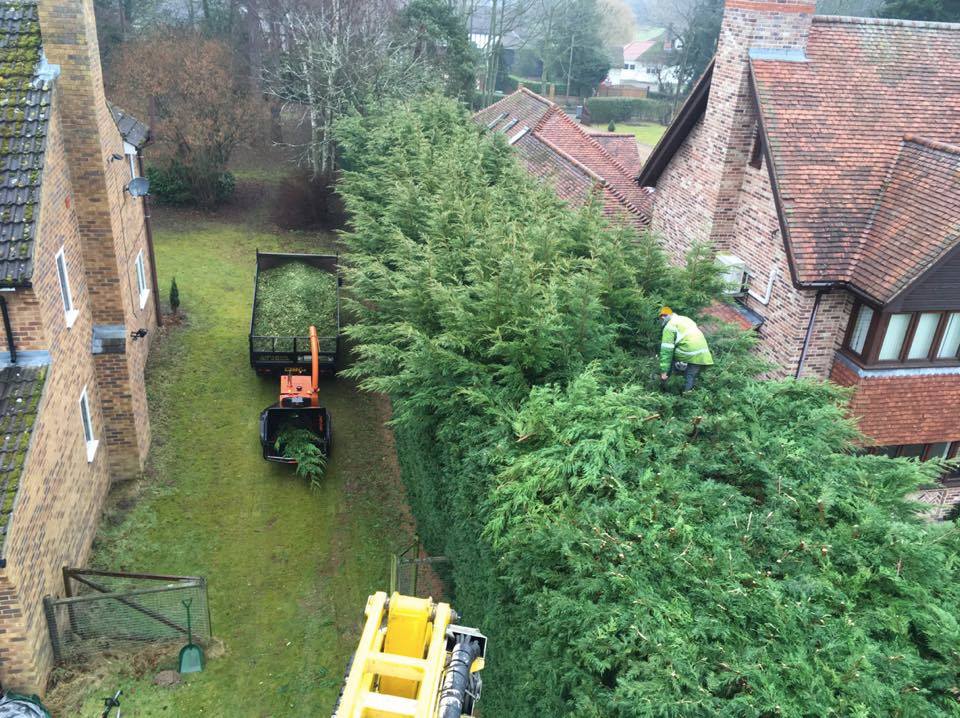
[(293, 292), (630, 552)]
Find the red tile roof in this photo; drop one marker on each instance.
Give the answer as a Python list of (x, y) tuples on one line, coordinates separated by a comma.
[(634, 50), (571, 182), (555, 147), (903, 407), (835, 126), (728, 313), (916, 221), (622, 147)]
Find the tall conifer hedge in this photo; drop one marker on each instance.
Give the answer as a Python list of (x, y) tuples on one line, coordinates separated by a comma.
[(629, 552)]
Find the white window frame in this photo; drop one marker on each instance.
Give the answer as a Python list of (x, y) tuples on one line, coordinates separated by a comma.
[(70, 312), (86, 425), (141, 271), (131, 152)]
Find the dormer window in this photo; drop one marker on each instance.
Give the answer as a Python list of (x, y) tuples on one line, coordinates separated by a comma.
[(924, 338)]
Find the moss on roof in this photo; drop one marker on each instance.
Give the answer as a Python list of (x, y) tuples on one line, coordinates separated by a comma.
[(24, 117), (20, 391)]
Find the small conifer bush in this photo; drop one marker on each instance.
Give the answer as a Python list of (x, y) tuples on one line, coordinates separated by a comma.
[(174, 297)]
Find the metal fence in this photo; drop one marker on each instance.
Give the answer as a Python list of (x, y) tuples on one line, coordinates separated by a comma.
[(412, 573), (104, 610)]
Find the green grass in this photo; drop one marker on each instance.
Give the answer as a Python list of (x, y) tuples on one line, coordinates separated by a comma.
[(647, 133), (289, 568)]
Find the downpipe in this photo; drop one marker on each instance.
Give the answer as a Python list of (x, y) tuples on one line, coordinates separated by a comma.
[(809, 334), (11, 345), (765, 298), (456, 681)]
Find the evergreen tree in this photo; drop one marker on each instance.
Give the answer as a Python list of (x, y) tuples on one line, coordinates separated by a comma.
[(174, 296), (438, 34), (932, 10), (629, 552), (574, 52)]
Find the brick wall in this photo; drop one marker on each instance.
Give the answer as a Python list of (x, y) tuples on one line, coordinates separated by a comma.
[(61, 493), (709, 191), (756, 239), (84, 210), (28, 330), (833, 316), (110, 221), (683, 202), (730, 121)]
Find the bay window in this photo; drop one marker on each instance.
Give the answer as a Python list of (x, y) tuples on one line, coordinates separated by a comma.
[(910, 338), (923, 452), (860, 327)]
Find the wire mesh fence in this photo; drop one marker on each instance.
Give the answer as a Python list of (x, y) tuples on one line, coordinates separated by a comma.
[(106, 610), (413, 573)]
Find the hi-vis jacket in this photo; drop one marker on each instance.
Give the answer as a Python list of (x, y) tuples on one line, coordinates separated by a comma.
[(683, 341)]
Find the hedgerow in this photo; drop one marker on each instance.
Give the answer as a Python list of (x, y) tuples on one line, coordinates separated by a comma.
[(630, 552)]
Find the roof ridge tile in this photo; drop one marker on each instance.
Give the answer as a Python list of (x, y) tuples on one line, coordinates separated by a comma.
[(932, 144), (593, 143), (600, 180), (887, 22)]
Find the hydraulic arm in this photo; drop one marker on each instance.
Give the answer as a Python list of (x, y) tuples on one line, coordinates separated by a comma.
[(412, 662)]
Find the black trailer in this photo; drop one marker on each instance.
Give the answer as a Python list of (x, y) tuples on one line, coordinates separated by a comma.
[(291, 355)]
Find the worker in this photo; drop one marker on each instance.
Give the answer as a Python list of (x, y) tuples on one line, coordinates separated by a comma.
[(683, 348)]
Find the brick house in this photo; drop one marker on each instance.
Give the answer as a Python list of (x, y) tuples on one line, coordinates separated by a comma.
[(76, 283), (577, 164), (822, 154)]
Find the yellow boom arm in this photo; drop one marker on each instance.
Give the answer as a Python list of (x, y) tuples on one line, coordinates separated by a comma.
[(412, 662)]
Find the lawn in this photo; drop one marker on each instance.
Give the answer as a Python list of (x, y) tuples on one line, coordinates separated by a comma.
[(289, 568), (647, 133)]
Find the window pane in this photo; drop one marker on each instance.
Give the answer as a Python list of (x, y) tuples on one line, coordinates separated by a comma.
[(923, 336), (141, 279), (859, 335), (950, 344), (912, 451), (64, 287), (85, 417), (893, 339), (890, 451), (939, 450)]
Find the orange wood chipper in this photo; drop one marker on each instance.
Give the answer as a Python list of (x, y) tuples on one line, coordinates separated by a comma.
[(299, 407)]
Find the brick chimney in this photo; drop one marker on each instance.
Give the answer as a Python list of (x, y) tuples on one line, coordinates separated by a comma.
[(779, 27), (108, 219)]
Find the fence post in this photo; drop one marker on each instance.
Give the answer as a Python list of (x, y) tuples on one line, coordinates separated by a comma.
[(394, 560), (206, 601), (52, 628)]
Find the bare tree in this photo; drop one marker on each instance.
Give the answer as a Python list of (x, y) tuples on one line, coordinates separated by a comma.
[(339, 57), (493, 20)]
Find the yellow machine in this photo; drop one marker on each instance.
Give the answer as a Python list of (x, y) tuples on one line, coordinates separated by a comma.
[(412, 662)]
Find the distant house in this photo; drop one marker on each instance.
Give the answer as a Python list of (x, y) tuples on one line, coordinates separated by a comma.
[(577, 165), (647, 63), (79, 306), (821, 156)]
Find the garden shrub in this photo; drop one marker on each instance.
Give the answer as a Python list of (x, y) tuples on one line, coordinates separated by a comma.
[(629, 551), (625, 109), (178, 184)]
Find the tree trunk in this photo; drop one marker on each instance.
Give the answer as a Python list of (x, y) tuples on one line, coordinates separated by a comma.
[(491, 78)]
